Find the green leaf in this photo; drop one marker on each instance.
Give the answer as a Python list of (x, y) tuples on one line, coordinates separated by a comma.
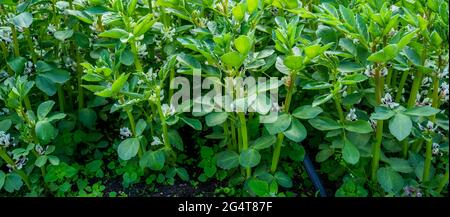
[(359, 126), (252, 5), (296, 131), (243, 44), (5, 125), (23, 20), (238, 12), (46, 85), (81, 15), (175, 140), (44, 108), (349, 67), (319, 100), (233, 58), (350, 153), (390, 181), (128, 148), (153, 159), (283, 179), (215, 118), (400, 165), (324, 123), (189, 61), (387, 53), (45, 132), (259, 187), (114, 33), (118, 84), (293, 62), (281, 124), (353, 79), (382, 113), (87, 117), (63, 35), (306, 112), (317, 85), (53, 160), (140, 127), (227, 159), (17, 64), (13, 182), (249, 158), (400, 126), (406, 39), (421, 111), (144, 24), (264, 142), (194, 123), (324, 154), (127, 57), (41, 160)]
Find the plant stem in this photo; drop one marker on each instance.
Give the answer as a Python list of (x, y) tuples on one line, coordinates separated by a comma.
[(280, 136), (163, 121), (415, 89), (427, 164), (137, 63), (376, 148), (30, 45), (401, 86), (443, 182), (244, 138), (61, 98), (15, 41)]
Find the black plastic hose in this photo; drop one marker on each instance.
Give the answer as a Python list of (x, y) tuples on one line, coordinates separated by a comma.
[(315, 179)]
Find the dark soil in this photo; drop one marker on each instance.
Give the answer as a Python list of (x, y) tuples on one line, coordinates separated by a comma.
[(176, 190)]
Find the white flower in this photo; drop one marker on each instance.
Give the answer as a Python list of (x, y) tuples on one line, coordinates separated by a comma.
[(21, 162), (4, 111), (351, 116), (125, 132), (150, 75), (156, 141), (39, 149), (444, 91), (369, 72), (6, 140), (384, 71), (388, 101), (51, 29), (392, 32), (29, 66), (373, 124), (168, 33), (428, 127), (168, 110), (5, 35), (355, 41), (394, 8), (436, 150)]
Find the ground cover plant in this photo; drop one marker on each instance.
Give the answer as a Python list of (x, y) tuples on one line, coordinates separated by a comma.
[(89, 97)]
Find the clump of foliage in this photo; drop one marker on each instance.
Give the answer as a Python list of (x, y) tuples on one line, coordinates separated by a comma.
[(85, 96)]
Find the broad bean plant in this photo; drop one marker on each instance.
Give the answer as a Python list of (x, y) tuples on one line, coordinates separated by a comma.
[(233, 94)]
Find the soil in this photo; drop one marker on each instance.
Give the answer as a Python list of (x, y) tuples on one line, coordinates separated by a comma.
[(180, 189)]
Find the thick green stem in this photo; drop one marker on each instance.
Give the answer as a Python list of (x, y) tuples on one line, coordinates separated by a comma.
[(405, 148), (376, 148), (401, 86), (61, 98), (163, 121), (30, 45), (15, 42), (443, 182), (280, 136), (415, 89), (244, 135), (427, 164), (137, 63)]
